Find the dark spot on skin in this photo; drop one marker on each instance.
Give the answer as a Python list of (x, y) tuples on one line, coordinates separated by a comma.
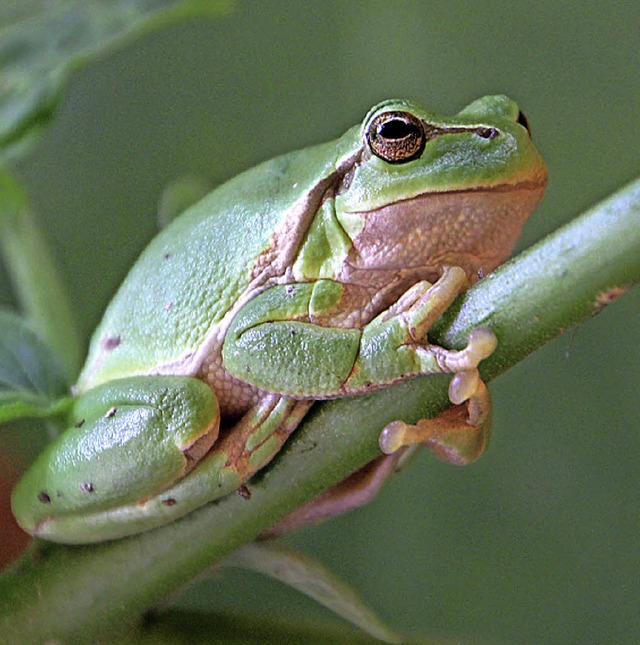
[(308, 448), (87, 487), (481, 273), (79, 424), (290, 289), (111, 412), (244, 492), (166, 256), (44, 498), (169, 501), (109, 343)]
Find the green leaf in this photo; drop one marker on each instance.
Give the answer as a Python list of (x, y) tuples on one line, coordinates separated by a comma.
[(180, 627), (313, 579), (31, 379), (42, 42)]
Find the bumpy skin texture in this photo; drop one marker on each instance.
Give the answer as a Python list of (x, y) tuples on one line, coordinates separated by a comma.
[(314, 275)]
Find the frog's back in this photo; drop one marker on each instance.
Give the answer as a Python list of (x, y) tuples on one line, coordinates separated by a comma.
[(197, 268)]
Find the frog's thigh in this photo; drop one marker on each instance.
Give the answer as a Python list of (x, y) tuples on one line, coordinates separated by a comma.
[(356, 490), (245, 448), (459, 435)]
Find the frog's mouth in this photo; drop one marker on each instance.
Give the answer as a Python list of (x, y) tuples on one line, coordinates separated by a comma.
[(473, 228)]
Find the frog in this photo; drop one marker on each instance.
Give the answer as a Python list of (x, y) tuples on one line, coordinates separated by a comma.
[(314, 275)]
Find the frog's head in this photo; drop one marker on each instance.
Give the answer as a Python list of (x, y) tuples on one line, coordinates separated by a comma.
[(431, 190)]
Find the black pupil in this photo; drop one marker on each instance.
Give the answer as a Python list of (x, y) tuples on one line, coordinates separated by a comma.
[(395, 129), (487, 133)]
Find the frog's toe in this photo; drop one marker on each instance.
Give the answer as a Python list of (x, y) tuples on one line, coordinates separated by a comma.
[(463, 385), (396, 435), (482, 343)]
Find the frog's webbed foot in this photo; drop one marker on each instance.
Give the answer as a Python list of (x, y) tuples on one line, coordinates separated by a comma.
[(458, 435), (259, 434)]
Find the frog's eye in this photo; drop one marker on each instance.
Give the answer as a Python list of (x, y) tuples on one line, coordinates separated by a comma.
[(524, 122), (487, 133), (396, 137)]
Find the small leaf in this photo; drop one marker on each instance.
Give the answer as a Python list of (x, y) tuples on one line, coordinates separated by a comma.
[(314, 580), (41, 43), (178, 627), (31, 379)]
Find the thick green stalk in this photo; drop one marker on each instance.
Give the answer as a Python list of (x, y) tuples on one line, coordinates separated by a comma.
[(75, 594)]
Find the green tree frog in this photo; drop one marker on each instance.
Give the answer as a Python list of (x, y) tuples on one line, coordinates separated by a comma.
[(312, 276)]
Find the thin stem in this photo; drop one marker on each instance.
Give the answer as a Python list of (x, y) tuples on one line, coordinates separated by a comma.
[(40, 291), (90, 591)]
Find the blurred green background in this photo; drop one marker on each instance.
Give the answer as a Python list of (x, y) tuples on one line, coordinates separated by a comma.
[(538, 541)]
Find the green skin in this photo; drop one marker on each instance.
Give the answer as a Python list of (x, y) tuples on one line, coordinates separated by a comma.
[(314, 275)]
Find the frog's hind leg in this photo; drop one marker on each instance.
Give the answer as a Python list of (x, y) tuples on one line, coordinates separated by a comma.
[(238, 453), (252, 442), (356, 490), (241, 450)]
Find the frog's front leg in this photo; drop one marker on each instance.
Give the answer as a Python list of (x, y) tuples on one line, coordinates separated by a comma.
[(458, 435), (305, 360)]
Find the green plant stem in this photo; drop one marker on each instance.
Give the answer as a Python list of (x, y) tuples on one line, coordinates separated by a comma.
[(41, 294), (74, 594)]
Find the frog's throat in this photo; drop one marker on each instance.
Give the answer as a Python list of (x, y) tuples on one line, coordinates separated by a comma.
[(474, 228)]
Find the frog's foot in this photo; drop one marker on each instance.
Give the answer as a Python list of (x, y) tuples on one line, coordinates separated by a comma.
[(458, 435), (259, 434)]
